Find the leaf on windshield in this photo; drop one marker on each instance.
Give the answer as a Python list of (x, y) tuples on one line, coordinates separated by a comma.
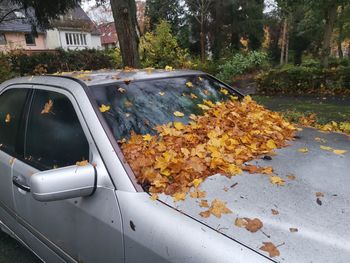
[(147, 137), (47, 107), (179, 126), (203, 107), (104, 108), (127, 81), (200, 79), (189, 84), (8, 118), (277, 180), (178, 114), (121, 90), (193, 96), (161, 93), (270, 248), (224, 91)]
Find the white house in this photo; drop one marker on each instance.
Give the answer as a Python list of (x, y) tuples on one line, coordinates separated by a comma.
[(74, 30)]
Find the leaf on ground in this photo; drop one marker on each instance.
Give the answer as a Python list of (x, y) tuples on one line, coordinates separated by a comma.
[(270, 248), (277, 180), (104, 108)]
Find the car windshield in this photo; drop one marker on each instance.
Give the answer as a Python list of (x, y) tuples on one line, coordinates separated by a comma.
[(140, 106)]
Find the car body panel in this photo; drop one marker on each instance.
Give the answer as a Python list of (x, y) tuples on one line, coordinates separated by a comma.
[(323, 226), (154, 232)]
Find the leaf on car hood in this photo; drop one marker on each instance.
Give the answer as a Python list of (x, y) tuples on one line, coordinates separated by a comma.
[(270, 248), (217, 208)]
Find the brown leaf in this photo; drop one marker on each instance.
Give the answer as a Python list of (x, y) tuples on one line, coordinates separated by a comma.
[(218, 208), (204, 203), (274, 212), (47, 107), (319, 194), (253, 225), (205, 214), (291, 177), (198, 194), (270, 248)]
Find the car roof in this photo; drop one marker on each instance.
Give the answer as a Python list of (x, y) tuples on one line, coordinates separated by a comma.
[(104, 76)]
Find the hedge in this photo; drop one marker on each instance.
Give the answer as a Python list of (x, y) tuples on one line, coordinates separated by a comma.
[(59, 60), (305, 80)]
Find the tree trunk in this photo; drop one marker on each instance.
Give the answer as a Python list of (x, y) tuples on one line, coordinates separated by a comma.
[(283, 46), (124, 13), (287, 49), (218, 36), (330, 21), (202, 36), (340, 49)]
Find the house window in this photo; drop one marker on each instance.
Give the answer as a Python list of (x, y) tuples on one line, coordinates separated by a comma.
[(30, 39), (76, 39), (2, 39)]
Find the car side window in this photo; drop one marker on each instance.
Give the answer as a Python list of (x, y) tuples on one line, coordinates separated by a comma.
[(54, 136), (12, 103)]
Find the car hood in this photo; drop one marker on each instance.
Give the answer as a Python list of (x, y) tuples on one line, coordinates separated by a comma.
[(316, 202)]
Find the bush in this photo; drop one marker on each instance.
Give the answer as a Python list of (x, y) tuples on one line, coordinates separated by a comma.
[(5, 69), (60, 60), (305, 80), (240, 64), (160, 48)]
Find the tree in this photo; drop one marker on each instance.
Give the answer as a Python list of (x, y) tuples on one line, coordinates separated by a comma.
[(171, 11), (39, 13), (124, 13), (200, 11)]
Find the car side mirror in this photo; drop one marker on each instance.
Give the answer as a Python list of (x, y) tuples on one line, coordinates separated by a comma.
[(64, 183)]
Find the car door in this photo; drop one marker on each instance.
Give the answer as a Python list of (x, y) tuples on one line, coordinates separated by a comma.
[(78, 230), (12, 103)]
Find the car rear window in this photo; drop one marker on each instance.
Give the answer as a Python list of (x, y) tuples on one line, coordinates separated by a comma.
[(139, 106)]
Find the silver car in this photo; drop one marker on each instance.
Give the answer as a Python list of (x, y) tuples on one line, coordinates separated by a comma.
[(68, 195)]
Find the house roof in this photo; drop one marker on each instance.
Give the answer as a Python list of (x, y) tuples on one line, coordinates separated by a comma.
[(14, 22), (108, 33), (76, 19)]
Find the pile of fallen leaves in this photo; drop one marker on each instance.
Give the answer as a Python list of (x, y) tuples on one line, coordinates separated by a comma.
[(229, 134)]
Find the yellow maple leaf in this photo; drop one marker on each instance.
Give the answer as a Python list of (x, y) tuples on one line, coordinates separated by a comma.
[(147, 137), (224, 91), (154, 196), (203, 107), (193, 96), (339, 152), (303, 150), (179, 126), (277, 180), (179, 196), (161, 93), (189, 84), (271, 144), (218, 208), (178, 114), (198, 194), (326, 148), (104, 108), (8, 118), (82, 163), (197, 182), (168, 68)]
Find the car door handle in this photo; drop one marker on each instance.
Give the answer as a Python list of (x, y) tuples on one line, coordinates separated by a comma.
[(18, 182)]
